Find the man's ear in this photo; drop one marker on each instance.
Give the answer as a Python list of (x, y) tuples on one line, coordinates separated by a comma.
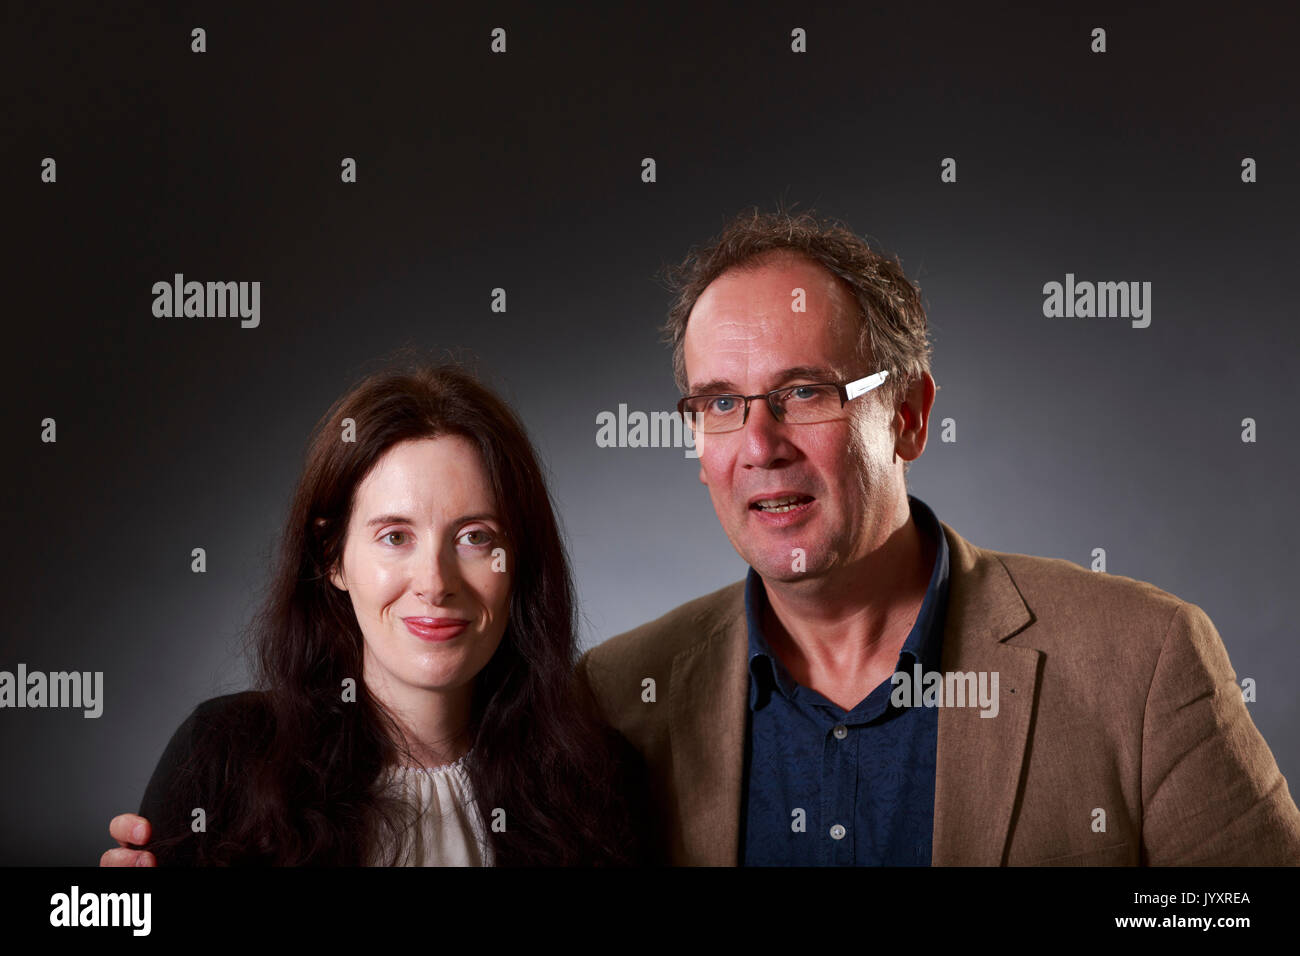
[(913, 418)]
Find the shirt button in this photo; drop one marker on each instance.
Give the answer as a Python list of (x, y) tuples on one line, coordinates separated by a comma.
[(840, 731), (837, 832)]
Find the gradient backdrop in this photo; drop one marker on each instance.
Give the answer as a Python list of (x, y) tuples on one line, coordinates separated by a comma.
[(523, 171)]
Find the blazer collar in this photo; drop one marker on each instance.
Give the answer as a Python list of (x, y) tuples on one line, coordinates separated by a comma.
[(979, 760)]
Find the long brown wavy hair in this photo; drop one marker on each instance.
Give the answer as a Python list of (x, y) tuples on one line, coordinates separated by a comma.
[(297, 778)]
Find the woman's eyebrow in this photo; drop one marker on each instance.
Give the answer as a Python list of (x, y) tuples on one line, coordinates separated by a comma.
[(402, 519), (487, 516), (388, 519)]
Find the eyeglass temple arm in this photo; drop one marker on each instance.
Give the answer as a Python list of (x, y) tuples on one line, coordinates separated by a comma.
[(863, 385)]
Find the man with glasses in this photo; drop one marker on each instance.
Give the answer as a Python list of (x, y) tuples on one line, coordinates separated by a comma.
[(879, 690)]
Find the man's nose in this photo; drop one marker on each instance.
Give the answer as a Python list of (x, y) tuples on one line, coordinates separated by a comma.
[(766, 440)]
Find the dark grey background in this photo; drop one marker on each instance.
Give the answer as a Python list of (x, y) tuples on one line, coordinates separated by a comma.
[(523, 171)]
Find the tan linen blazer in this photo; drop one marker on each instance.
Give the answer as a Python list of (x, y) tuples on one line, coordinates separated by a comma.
[(1113, 695)]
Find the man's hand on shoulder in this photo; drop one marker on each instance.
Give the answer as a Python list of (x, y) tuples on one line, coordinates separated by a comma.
[(128, 828)]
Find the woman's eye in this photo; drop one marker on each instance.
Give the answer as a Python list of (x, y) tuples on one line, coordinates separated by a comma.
[(400, 534), (478, 535)]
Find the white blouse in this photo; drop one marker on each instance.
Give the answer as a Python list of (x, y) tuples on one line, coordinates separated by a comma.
[(449, 830)]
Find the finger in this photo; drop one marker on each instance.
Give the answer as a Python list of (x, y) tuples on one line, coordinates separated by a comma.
[(129, 828), (120, 856)]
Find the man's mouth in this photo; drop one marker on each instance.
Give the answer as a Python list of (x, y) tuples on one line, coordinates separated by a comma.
[(780, 505)]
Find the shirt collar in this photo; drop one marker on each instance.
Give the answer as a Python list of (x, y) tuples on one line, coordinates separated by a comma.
[(923, 643)]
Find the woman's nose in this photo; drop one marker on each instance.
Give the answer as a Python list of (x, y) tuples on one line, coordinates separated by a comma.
[(436, 580)]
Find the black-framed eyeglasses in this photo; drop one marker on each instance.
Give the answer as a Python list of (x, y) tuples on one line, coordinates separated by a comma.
[(790, 405)]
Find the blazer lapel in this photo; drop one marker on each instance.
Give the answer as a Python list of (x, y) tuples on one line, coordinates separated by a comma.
[(708, 704), (979, 759)]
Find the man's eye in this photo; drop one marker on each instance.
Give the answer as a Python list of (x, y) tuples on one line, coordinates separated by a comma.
[(400, 534), (722, 405), (480, 537), (803, 392)]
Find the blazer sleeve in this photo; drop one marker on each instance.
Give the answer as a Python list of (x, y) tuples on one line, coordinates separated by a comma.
[(1212, 792), (645, 838)]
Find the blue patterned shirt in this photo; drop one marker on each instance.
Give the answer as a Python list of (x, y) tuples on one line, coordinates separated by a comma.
[(828, 787)]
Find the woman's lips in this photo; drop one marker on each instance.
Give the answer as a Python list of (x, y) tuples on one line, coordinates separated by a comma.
[(435, 628)]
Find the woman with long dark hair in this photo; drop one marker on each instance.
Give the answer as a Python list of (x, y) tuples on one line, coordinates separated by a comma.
[(416, 700)]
